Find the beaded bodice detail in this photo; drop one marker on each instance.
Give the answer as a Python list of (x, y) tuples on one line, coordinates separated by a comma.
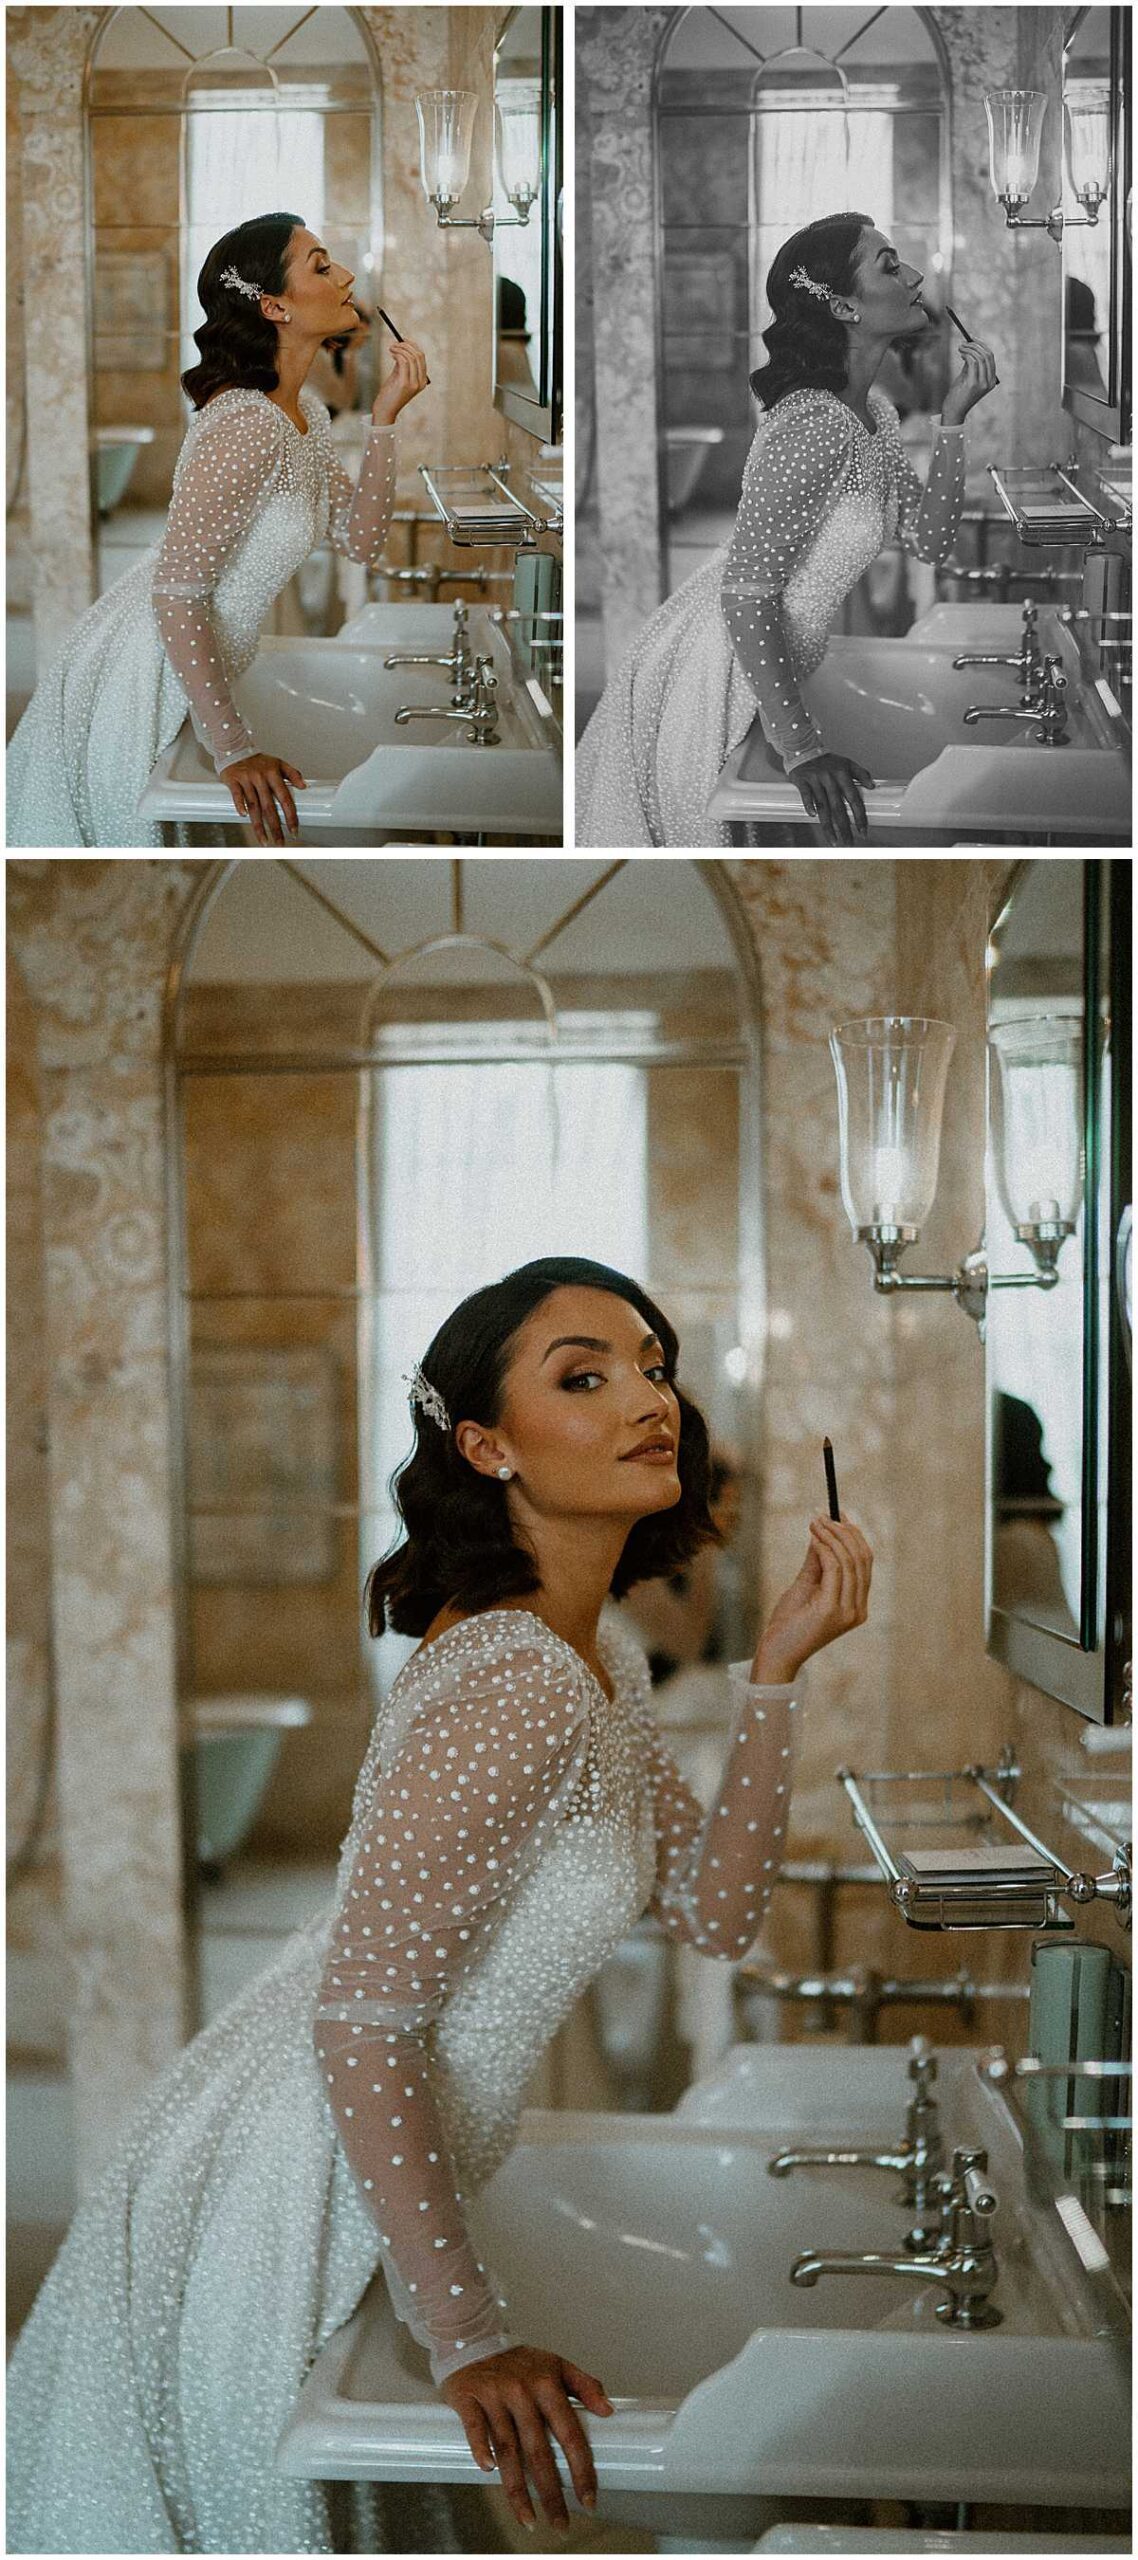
[(251, 497), (821, 495), (511, 1821)]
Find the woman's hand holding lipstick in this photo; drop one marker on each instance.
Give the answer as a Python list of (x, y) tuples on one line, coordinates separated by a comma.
[(828, 1596), (977, 377), (408, 377)]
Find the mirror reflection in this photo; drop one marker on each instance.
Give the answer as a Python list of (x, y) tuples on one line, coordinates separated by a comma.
[(1035, 1337), (197, 121), (1089, 296), (526, 245), (336, 1211)]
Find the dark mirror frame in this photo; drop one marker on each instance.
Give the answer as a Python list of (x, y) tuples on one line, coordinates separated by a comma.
[(1111, 417), (1092, 1674), (541, 417)]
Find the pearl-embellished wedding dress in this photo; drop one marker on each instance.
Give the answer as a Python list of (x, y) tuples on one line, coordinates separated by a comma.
[(511, 1822), (821, 496), (251, 497)]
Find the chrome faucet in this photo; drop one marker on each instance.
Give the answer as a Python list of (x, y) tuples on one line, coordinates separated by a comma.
[(1028, 664), (457, 665), (919, 2157), (479, 709), (1048, 712), (964, 2261)]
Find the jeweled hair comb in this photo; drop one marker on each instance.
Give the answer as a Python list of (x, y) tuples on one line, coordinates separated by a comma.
[(241, 284), (810, 284), (421, 1392)]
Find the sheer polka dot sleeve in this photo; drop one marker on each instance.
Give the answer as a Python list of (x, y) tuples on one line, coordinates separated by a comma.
[(716, 1870), (225, 472), (360, 510), (927, 512), (487, 1769), (795, 472)]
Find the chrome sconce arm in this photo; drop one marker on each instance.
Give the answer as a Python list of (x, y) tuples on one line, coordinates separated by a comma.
[(485, 224), (971, 1281)]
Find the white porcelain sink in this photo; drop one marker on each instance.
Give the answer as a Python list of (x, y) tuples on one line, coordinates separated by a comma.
[(897, 707), (329, 706), (657, 2251)]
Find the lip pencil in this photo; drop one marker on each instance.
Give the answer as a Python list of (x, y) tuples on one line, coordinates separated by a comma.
[(831, 1480), (390, 324)]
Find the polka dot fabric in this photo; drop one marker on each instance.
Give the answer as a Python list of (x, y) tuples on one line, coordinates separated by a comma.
[(820, 497), (251, 496), (510, 1822)]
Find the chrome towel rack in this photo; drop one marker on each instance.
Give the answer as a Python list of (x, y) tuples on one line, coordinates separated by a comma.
[(955, 1892)]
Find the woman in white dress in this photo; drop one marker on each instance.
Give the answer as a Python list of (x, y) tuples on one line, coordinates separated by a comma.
[(516, 1812), (257, 484), (827, 483)]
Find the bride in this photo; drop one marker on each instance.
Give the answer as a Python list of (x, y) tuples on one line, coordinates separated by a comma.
[(516, 1812), (257, 484), (827, 483)]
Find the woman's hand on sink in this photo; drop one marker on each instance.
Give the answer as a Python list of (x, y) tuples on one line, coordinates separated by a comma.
[(828, 789), (510, 2404), (257, 783)]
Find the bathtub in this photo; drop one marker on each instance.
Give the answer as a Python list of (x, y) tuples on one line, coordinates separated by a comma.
[(687, 451), (235, 1738), (116, 452)]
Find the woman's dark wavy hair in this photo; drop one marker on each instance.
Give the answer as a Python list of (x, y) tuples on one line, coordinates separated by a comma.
[(238, 346), (806, 343), (459, 1546)]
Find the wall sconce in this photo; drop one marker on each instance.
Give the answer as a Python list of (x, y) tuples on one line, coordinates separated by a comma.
[(1015, 124), (446, 133), (891, 1073)]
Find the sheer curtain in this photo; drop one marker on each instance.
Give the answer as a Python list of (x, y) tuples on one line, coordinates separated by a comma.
[(264, 160), (473, 1169), (812, 163)]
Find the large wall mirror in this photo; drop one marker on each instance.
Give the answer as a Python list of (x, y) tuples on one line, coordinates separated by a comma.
[(197, 119), (764, 120), (1057, 1356), (527, 255), (389, 1082), (1097, 55)]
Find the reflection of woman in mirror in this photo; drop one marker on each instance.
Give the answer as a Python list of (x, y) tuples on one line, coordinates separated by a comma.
[(1027, 1572), (257, 484), (516, 1812), (512, 362), (1082, 338), (827, 483)]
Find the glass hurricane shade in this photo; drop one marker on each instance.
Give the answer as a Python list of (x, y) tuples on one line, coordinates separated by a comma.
[(1037, 1118), (446, 133), (1015, 123), (517, 120), (1086, 114), (891, 1072)]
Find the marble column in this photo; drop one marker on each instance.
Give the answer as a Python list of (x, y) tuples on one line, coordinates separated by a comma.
[(48, 49), (616, 53), (93, 941)]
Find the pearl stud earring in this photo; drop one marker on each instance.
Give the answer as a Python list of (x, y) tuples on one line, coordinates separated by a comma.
[(505, 1473)]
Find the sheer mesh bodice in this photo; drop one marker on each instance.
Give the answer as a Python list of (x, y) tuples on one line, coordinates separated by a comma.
[(251, 496), (510, 1822), (820, 497)]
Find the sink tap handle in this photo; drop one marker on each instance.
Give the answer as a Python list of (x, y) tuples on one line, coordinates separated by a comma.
[(922, 2065), (970, 2179), (461, 617)]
